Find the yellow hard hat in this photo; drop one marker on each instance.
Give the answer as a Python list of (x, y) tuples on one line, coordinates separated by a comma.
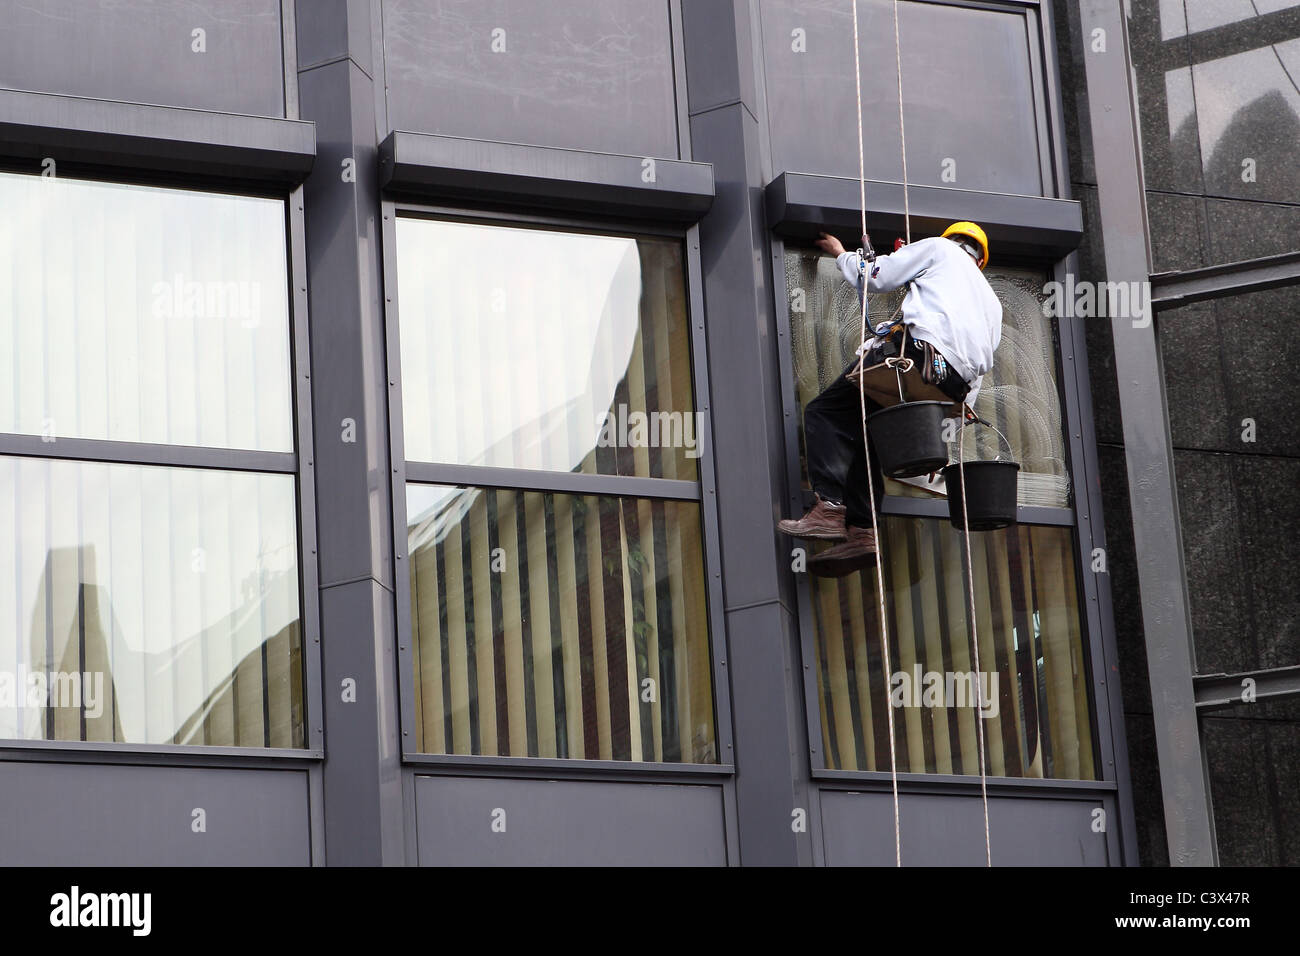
[(974, 232)]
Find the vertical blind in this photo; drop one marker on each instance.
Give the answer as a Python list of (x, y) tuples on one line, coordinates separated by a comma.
[(557, 625), (1026, 606)]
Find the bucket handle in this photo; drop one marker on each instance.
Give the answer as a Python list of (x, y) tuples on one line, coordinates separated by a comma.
[(970, 418)]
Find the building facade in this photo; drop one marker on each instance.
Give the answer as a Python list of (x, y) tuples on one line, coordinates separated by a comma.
[(404, 395)]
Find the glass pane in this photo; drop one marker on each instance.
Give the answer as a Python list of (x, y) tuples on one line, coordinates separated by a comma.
[(1179, 17), (1033, 678), (1235, 437), (134, 313), (598, 76), (557, 351), (1220, 113), (551, 625), (1019, 396), (148, 605), (984, 138)]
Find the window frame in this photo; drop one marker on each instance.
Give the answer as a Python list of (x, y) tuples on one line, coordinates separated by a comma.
[(702, 491), (297, 464), (1095, 660)]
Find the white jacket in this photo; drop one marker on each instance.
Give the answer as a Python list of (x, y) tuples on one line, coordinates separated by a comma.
[(949, 304)]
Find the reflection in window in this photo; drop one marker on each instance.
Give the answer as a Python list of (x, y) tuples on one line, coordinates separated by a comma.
[(1219, 82), (141, 314), (1020, 395), (148, 605), (555, 625), (1037, 720), (978, 130), (545, 350), (1180, 17), (1248, 105)]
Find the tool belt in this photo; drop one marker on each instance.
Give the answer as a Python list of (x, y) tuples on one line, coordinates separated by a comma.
[(931, 364)]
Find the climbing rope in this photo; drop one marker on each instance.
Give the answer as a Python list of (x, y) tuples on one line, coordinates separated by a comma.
[(974, 630), (961, 466), (902, 127), (866, 445)]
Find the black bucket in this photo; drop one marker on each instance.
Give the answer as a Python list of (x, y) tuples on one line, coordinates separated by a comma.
[(990, 492), (908, 438)]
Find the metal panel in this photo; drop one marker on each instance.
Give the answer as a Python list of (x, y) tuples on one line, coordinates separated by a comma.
[(361, 779), (157, 138), (60, 814), (1081, 438), (1024, 227), (743, 367), (363, 817), (487, 821), (595, 76), (444, 167), (1172, 289), (289, 52), (1094, 587), (1166, 615), (1216, 691), (347, 364), (146, 51), (335, 29), (948, 830)]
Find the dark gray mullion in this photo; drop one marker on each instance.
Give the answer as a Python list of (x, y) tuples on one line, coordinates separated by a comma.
[(820, 741), (558, 482), (407, 679), (305, 485), (899, 506), (149, 453), (530, 634)]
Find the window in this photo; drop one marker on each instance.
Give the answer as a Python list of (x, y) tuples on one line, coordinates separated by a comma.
[(1034, 682), (143, 600), (1035, 694), (1020, 396), (554, 529)]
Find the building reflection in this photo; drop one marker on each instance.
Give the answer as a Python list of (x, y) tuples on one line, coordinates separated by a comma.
[(228, 685)]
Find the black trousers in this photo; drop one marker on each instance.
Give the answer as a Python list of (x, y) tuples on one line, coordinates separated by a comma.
[(832, 428)]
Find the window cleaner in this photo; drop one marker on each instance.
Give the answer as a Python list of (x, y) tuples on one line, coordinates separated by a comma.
[(950, 327)]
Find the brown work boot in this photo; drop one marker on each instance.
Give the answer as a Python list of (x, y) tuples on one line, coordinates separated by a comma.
[(824, 520), (856, 553)]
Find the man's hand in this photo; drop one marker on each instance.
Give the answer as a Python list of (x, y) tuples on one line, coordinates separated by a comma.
[(829, 244)]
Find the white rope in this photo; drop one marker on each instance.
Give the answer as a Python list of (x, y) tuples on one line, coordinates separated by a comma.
[(961, 466), (902, 127), (866, 445), (975, 641)]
